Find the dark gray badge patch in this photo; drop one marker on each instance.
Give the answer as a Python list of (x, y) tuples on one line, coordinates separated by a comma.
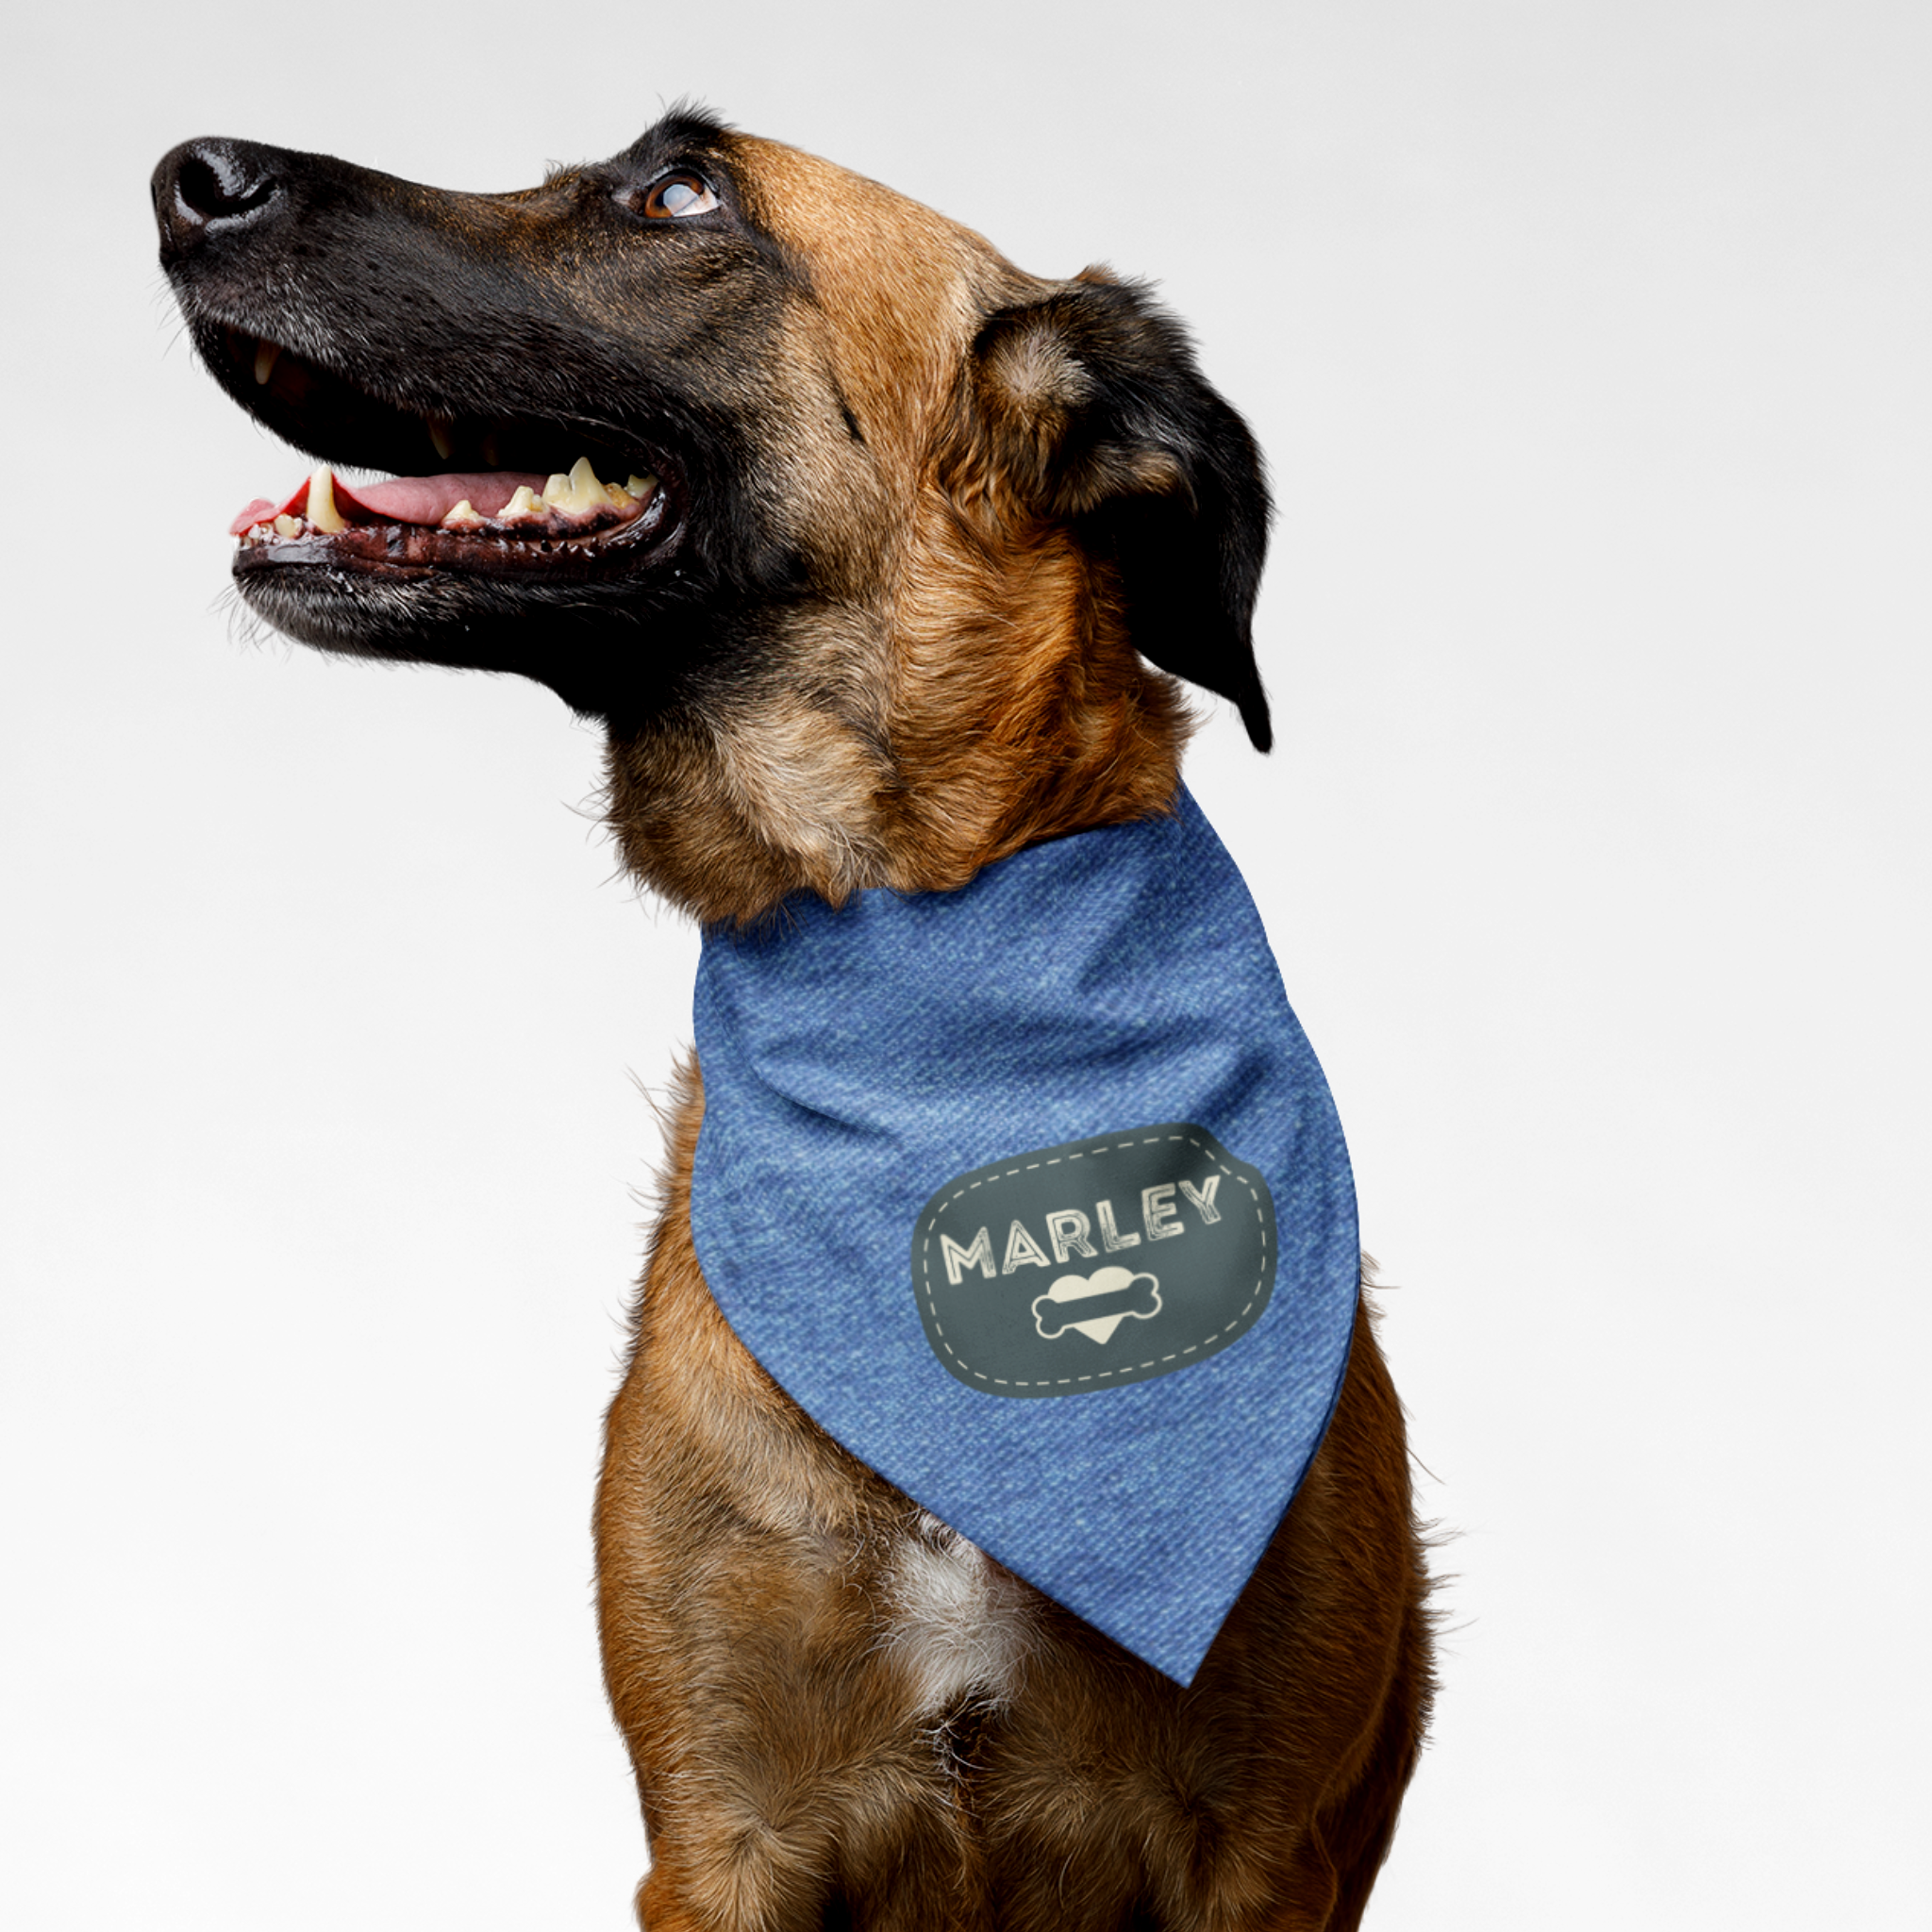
[(1095, 1263)]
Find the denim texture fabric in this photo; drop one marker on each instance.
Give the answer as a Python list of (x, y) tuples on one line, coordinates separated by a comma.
[(855, 1061)]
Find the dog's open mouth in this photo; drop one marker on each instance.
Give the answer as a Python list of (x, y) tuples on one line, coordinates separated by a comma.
[(443, 519), (497, 515)]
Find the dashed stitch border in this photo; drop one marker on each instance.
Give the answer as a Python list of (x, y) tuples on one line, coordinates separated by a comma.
[(1177, 1356)]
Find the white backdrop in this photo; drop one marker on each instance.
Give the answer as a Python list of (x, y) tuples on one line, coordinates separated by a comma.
[(1588, 343)]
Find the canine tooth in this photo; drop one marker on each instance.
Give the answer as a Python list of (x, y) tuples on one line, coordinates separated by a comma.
[(490, 455), (465, 512), (287, 526), (556, 491), (440, 439), (265, 354), (524, 503), (586, 492), (322, 503)]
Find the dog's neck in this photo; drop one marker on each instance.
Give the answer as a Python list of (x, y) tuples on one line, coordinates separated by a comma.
[(906, 749)]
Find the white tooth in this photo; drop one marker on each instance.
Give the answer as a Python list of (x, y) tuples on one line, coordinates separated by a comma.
[(557, 491), (522, 504), (439, 437), (265, 354), (465, 512), (287, 526), (322, 503), (641, 486), (586, 492)]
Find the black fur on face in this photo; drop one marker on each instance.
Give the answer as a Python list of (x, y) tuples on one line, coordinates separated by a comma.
[(530, 329)]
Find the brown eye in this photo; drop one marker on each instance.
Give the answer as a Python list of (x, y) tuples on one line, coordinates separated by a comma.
[(678, 195)]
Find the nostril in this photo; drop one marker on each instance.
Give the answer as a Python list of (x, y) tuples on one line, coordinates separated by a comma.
[(217, 181)]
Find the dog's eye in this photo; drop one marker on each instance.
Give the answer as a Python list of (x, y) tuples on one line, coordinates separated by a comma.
[(675, 196)]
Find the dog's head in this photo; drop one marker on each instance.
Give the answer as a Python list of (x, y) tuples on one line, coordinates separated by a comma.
[(859, 540)]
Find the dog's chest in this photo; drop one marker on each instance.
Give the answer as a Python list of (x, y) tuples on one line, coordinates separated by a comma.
[(956, 1623)]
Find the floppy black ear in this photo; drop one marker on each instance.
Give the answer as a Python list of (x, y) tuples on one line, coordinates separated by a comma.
[(1091, 401)]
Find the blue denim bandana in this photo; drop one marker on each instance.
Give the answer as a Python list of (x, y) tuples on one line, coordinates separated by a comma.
[(1033, 1197)]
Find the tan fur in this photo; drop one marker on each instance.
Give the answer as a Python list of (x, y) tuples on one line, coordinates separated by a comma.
[(970, 689)]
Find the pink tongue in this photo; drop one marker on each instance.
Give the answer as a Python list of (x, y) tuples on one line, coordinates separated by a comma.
[(407, 500), (429, 499)]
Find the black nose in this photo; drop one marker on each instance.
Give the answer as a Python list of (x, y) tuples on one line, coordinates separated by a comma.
[(213, 187)]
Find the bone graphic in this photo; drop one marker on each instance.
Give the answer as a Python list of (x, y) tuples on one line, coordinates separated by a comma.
[(1096, 1303)]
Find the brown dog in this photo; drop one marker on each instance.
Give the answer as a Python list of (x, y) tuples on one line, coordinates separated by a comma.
[(902, 535)]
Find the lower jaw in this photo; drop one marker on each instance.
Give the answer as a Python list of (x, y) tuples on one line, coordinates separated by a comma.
[(595, 647), (556, 631)]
